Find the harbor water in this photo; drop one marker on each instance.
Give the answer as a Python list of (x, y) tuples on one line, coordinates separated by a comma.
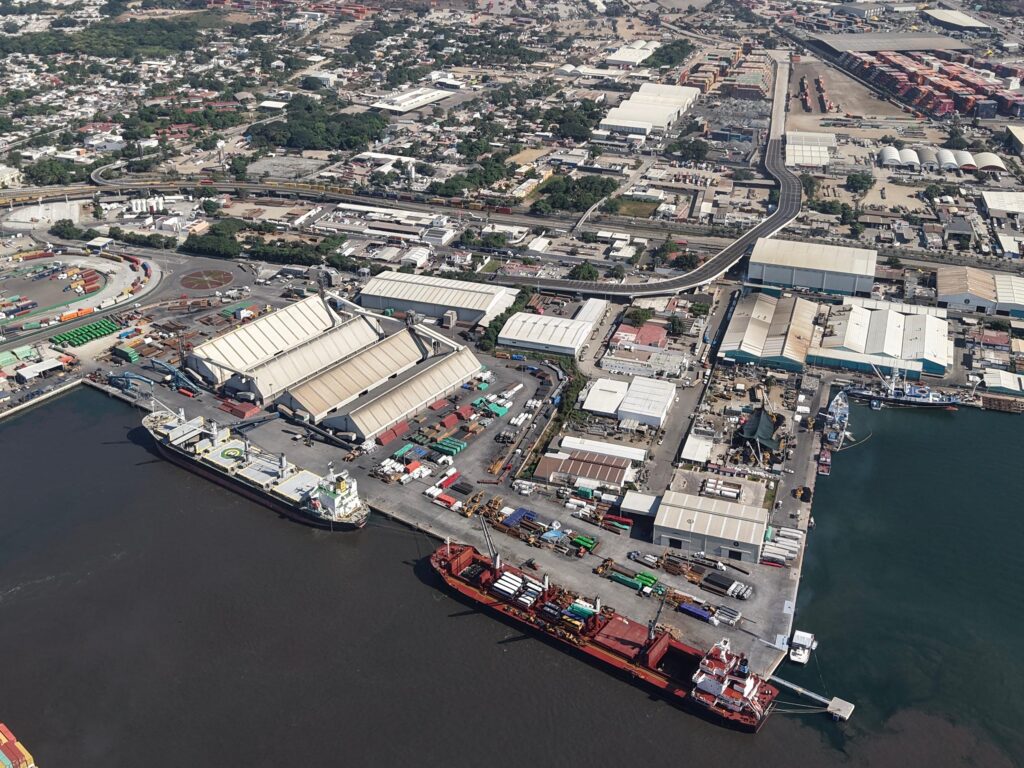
[(150, 618)]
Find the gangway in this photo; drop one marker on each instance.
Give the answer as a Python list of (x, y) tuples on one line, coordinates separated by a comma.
[(839, 709)]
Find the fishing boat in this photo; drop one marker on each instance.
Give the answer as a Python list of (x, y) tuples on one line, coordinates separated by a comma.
[(895, 391), (837, 421), (825, 462), (219, 454)]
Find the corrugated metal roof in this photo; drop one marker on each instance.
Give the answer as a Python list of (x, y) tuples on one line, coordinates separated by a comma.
[(574, 443), (847, 328), (885, 334), (647, 397), (253, 343), (926, 338), (414, 393), (748, 328), (955, 281), (547, 330), (605, 396), (813, 256), (719, 518), (450, 294), (1009, 290), (365, 370), (765, 327)]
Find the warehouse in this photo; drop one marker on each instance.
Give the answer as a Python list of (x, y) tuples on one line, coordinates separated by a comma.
[(652, 109), (474, 303), (889, 336), (647, 401), (766, 330), (584, 469), (273, 352), (956, 20), (630, 55), (1002, 203), (545, 333), (605, 397), (809, 150), (431, 380), (1004, 382), (572, 443), (966, 289), (888, 41), (716, 527), (357, 374), (826, 268)]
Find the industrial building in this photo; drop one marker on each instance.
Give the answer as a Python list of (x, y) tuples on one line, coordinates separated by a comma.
[(633, 453), (605, 396), (884, 337), (969, 289), (274, 351), (647, 402), (888, 41), (584, 469), (654, 108), (826, 268), (956, 20), (473, 303), (632, 54), (432, 379), (716, 527), (805, 149), (771, 331), (937, 159), (550, 333)]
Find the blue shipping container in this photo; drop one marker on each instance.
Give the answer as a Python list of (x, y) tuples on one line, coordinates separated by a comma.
[(694, 611), (518, 357)]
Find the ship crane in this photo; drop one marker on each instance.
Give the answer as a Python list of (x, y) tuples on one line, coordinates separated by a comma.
[(126, 381), (178, 378)]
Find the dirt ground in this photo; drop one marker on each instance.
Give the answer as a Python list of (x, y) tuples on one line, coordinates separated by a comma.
[(529, 155)]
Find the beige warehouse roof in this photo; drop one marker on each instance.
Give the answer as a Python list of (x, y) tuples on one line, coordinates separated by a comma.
[(365, 370), (414, 393), (954, 281), (313, 356), (763, 326), (812, 256), (455, 294), (249, 345)]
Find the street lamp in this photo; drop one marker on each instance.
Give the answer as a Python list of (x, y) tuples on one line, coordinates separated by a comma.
[(689, 541)]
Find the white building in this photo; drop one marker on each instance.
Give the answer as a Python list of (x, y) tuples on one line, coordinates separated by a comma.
[(652, 109), (545, 333), (605, 397), (10, 177), (647, 401), (475, 303), (827, 268), (716, 527)]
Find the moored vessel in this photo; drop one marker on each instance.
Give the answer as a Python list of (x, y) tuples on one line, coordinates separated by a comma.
[(896, 392), (217, 453), (716, 684)]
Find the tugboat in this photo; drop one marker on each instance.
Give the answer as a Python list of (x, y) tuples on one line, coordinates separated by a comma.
[(215, 452)]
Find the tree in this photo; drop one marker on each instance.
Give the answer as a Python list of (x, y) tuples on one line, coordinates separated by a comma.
[(583, 271), (857, 229), (676, 326), (894, 262), (210, 207), (860, 182), (617, 272), (742, 174), (693, 150), (810, 185), (637, 316)]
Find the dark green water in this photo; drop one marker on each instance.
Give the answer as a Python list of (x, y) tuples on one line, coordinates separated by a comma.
[(914, 575), (150, 619)]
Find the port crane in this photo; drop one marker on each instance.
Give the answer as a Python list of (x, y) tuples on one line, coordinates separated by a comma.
[(247, 424), (127, 380), (178, 379)]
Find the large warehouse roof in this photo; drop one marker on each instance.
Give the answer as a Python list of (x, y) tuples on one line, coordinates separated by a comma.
[(414, 393), (491, 300), (891, 41), (1003, 200), (548, 331), (249, 345), (957, 19), (309, 358), (363, 371), (888, 333), (712, 517), (766, 328), (812, 256), (655, 103), (573, 443), (956, 281), (647, 397)]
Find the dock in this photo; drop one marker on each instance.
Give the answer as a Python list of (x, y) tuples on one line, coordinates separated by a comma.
[(840, 709)]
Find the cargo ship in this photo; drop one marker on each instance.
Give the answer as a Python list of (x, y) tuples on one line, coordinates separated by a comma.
[(717, 685), (217, 453)]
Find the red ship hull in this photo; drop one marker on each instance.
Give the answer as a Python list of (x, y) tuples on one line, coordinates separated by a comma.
[(627, 661)]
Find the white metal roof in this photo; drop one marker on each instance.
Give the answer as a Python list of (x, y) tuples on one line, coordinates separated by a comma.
[(573, 443), (807, 155), (441, 292), (847, 328), (270, 335), (592, 311), (964, 158), (1004, 381), (365, 370), (989, 161), (946, 159), (889, 155), (309, 358), (956, 18), (909, 157), (1009, 290), (823, 258), (1000, 200), (896, 306), (415, 393), (605, 396), (885, 334), (839, 356), (697, 448), (811, 139), (708, 516), (647, 397), (639, 503), (926, 338), (764, 326), (748, 328), (525, 328)]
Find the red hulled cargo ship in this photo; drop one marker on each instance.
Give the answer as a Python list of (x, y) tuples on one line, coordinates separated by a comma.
[(717, 684)]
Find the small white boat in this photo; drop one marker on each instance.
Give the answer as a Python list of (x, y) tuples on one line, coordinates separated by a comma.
[(800, 647)]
